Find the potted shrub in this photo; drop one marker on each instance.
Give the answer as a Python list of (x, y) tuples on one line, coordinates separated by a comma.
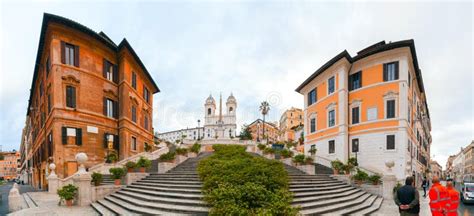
[(67, 193), (360, 177), (313, 151), (147, 147), (143, 163), (375, 179), (97, 178), (196, 148), (117, 174), (181, 151), (130, 166), (111, 157), (308, 160), (168, 157), (261, 146), (268, 150), (299, 159), (336, 166), (285, 153)]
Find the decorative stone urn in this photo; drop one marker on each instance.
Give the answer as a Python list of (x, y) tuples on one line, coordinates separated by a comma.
[(81, 158), (389, 165)]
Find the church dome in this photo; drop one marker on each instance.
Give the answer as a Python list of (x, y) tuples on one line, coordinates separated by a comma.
[(231, 99), (210, 100)]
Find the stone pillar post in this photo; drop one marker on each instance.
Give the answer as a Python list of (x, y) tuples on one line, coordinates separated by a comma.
[(15, 200), (389, 181), (82, 180), (53, 180)]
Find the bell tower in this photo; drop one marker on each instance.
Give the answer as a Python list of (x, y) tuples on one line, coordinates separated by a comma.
[(231, 105)]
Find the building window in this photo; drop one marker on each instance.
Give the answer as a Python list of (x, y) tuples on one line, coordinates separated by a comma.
[(390, 71), (110, 108), (372, 114), (312, 96), (146, 94), (409, 113), (71, 96), (134, 114), (355, 115), (134, 144), (390, 142), (355, 145), (209, 111), (355, 81), (331, 118), (390, 108), (313, 124), (70, 52), (48, 66), (146, 122), (332, 146), (49, 103), (331, 85), (134, 80), (109, 73), (409, 79)]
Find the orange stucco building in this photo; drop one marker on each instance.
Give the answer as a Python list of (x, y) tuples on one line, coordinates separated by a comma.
[(9, 165), (289, 121), (87, 95), (256, 129), (371, 106)]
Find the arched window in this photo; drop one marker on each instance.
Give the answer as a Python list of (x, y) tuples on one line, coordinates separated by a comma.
[(209, 111), (231, 109)]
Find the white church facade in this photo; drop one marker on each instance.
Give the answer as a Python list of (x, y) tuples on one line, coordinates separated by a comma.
[(219, 123)]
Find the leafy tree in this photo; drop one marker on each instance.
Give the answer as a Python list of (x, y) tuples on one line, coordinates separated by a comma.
[(245, 133)]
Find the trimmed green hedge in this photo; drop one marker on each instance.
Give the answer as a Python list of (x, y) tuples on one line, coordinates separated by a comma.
[(238, 183)]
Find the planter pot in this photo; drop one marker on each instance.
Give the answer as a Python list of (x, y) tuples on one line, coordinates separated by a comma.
[(117, 182), (96, 184), (69, 203), (358, 182), (192, 155), (335, 172), (142, 169), (130, 170)]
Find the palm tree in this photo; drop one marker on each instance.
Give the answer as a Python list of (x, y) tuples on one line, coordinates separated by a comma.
[(264, 108)]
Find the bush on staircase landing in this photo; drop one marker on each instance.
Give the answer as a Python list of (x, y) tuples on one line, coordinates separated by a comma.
[(167, 157), (238, 183)]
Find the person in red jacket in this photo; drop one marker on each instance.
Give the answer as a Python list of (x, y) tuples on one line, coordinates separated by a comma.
[(438, 198), (453, 201)]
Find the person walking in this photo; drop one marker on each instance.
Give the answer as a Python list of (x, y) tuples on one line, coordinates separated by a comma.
[(438, 198), (407, 199), (425, 186), (453, 199)]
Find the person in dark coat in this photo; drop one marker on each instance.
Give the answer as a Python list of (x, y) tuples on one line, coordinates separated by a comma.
[(425, 185), (407, 199)]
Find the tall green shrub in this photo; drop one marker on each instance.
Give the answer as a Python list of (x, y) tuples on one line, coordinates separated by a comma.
[(238, 183)]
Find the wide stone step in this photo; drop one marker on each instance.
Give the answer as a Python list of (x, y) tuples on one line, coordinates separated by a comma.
[(371, 209), (313, 182), (153, 197), (176, 208), (172, 182), (299, 200), (102, 210), (137, 210), (331, 201), (318, 188), (311, 179), (336, 206), (312, 185), (356, 208), (169, 185), (174, 174), (177, 178), (320, 193), (114, 207), (168, 192)]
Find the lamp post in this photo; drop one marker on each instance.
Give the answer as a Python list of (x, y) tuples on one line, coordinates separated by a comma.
[(199, 130)]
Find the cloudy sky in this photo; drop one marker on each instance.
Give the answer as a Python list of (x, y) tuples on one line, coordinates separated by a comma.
[(256, 50)]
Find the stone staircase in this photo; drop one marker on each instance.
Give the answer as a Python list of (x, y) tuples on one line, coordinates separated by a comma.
[(320, 194), (177, 192)]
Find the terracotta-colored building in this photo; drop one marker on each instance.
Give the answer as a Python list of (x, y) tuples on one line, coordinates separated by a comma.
[(87, 95), (289, 121), (9, 165), (271, 131)]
